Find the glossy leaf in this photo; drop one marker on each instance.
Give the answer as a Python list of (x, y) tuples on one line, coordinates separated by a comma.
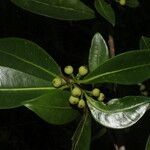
[(82, 137), (17, 87), (105, 10), (121, 113), (27, 57), (128, 68), (148, 144), (132, 3), (58, 9), (53, 107), (98, 52), (144, 43)]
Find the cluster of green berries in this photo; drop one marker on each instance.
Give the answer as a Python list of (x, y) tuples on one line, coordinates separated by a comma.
[(98, 94), (76, 97), (77, 94)]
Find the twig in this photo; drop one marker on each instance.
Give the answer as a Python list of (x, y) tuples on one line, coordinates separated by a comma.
[(111, 45)]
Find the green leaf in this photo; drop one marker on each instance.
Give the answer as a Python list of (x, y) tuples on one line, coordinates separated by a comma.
[(144, 43), (148, 144), (98, 52), (27, 57), (58, 9), (53, 107), (105, 10), (119, 113), (128, 68), (82, 137), (17, 87), (132, 3)]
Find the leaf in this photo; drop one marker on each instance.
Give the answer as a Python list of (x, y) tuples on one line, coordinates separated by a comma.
[(53, 107), (128, 68), (148, 144), (82, 137), (17, 87), (27, 57), (122, 113), (132, 3), (58, 9), (144, 43), (98, 52), (105, 10)]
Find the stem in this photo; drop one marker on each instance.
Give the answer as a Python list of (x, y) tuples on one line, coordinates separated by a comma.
[(111, 45)]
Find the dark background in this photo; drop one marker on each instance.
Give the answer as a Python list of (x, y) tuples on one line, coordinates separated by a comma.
[(68, 43)]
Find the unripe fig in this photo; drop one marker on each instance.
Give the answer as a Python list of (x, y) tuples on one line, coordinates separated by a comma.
[(96, 92), (83, 70), (76, 92), (101, 97), (73, 100), (81, 103), (68, 70), (122, 2), (57, 82), (142, 87)]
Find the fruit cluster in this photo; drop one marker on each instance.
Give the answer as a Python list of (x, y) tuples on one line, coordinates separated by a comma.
[(77, 93)]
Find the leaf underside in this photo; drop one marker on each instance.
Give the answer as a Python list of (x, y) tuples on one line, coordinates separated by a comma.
[(122, 113)]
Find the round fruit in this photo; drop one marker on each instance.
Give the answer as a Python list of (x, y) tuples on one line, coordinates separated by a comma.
[(76, 92), (73, 100), (122, 2), (142, 87), (57, 82), (83, 70), (101, 97), (81, 103), (96, 92), (68, 70)]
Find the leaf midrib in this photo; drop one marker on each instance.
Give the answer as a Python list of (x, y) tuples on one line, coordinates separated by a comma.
[(111, 72), (62, 7), (118, 110), (26, 89), (29, 62), (82, 128)]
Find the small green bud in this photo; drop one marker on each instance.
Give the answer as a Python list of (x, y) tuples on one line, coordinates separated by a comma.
[(145, 93), (76, 92), (73, 100), (101, 97), (122, 2), (57, 82), (83, 70), (96, 92), (68, 70), (142, 87), (81, 103)]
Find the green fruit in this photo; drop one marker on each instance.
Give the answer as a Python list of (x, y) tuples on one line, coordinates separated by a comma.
[(73, 100), (142, 87), (81, 103), (76, 92), (57, 82), (96, 92), (83, 70), (68, 70), (122, 2), (145, 93), (101, 97)]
